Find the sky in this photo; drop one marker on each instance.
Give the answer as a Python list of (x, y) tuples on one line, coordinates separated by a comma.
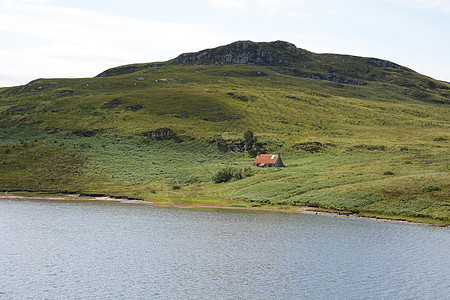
[(82, 38)]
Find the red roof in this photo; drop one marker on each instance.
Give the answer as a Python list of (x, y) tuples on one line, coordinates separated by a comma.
[(266, 159)]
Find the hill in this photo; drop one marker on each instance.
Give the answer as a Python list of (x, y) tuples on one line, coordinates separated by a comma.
[(360, 135)]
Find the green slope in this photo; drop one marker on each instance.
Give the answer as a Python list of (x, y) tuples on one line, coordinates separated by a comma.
[(357, 134)]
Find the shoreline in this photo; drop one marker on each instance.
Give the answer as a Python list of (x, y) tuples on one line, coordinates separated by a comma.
[(308, 211), (301, 210)]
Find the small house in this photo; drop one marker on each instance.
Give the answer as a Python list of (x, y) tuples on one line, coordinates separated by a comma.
[(268, 160)]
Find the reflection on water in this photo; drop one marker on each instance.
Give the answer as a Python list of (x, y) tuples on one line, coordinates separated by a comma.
[(109, 250)]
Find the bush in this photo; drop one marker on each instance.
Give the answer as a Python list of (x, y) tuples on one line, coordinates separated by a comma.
[(220, 143), (223, 175), (311, 147), (249, 139), (431, 188), (254, 152), (388, 173), (229, 173), (242, 173)]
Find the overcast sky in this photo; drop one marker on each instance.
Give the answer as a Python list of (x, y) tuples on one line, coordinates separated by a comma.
[(64, 38)]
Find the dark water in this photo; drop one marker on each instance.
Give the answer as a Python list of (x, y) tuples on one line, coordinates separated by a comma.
[(74, 250)]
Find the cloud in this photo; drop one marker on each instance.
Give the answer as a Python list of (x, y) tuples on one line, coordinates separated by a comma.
[(298, 15), (273, 6), (332, 12), (272, 3), (230, 5), (441, 6), (35, 1), (242, 6), (82, 43)]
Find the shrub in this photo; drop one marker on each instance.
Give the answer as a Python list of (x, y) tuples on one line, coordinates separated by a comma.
[(254, 152), (7, 151), (388, 173), (220, 143), (370, 147), (223, 175), (229, 173), (176, 187), (242, 96), (249, 139), (311, 147), (242, 173), (431, 188)]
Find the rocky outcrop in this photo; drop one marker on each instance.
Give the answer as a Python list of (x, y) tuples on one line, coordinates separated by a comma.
[(332, 77), (35, 86), (127, 69), (162, 134), (280, 54), (277, 53), (285, 58), (384, 63), (112, 104), (321, 76), (86, 133)]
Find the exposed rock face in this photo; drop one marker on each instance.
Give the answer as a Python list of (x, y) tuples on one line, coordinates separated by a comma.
[(112, 104), (285, 58), (327, 77), (127, 69), (245, 53), (383, 63), (86, 133), (333, 78), (161, 134), (279, 53), (35, 86)]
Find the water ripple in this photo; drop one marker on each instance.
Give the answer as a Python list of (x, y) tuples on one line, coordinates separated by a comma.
[(96, 250)]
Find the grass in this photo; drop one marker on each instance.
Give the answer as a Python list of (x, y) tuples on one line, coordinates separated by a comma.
[(372, 149), (183, 173)]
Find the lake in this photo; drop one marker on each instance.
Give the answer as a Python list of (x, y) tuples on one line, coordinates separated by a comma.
[(103, 250)]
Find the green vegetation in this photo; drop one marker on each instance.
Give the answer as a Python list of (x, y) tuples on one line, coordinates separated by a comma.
[(228, 173), (187, 134), (430, 188)]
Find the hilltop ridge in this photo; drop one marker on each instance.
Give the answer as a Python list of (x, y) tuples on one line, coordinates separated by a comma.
[(285, 58), (278, 53)]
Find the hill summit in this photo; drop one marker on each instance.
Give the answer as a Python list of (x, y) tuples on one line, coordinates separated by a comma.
[(277, 53), (285, 58)]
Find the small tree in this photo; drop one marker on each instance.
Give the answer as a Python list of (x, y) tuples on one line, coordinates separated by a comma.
[(249, 139), (223, 175), (220, 143)]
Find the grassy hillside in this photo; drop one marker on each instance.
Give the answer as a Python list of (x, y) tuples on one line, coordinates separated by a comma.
[(160, 132)]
